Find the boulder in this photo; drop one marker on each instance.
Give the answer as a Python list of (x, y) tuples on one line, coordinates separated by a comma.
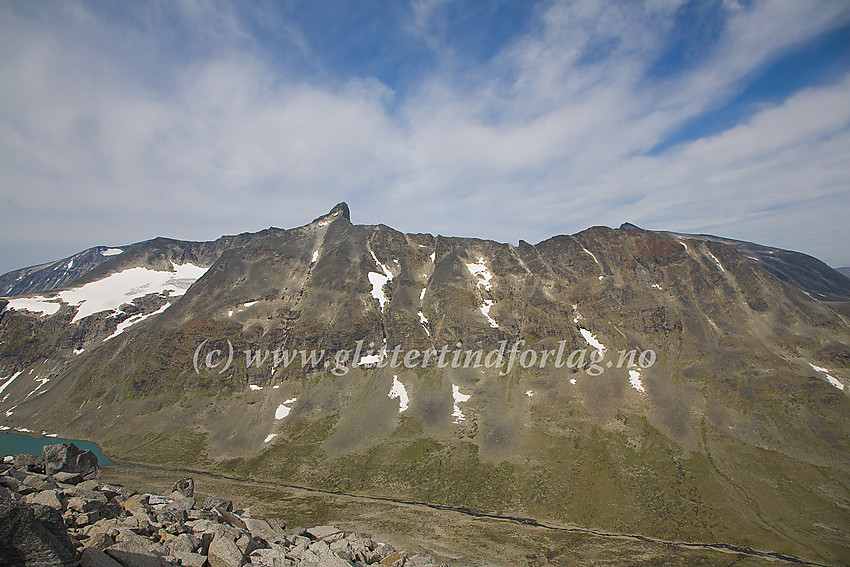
[(67, 457), (67, 477), (325, 533), (34, 535), (136, 553), (186, 487), (46, 498), (93, 557), (28, 463), (223, 552), (190, 559)]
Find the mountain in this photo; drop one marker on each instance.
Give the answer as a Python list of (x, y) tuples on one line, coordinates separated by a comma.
[(55, 275), (624, 380), (798, 269), (845, 271)]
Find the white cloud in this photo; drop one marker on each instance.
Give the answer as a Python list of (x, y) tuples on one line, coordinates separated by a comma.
[(551, 136)]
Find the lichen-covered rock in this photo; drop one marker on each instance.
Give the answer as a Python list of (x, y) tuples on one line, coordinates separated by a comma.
[(67, 457), (33, 535)]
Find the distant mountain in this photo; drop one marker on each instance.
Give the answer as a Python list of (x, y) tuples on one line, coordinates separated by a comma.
[(845, 271), (55, 275), (800, 270), (626, 380)]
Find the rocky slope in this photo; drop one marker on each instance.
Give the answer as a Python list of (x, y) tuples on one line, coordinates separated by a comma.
[(67, 517), (705, 398)]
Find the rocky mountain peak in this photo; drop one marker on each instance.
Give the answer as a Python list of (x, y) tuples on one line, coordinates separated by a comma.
[(630, 226), (340, 210)]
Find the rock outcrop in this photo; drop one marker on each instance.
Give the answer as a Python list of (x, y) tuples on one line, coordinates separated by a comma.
[(60, 519)]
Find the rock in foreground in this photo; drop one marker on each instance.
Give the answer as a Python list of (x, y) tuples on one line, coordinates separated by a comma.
[(66, 518)]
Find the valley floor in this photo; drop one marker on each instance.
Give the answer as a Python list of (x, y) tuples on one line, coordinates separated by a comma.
[(452, 536)]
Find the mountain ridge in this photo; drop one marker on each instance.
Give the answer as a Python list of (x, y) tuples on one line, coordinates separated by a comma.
[(740, 417)]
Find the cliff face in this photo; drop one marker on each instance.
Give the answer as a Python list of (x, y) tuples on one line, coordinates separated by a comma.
[(621, 379)]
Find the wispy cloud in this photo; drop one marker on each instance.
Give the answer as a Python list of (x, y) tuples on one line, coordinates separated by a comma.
[(202, 119)]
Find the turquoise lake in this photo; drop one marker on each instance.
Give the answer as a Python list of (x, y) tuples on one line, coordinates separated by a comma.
[(17, 443)]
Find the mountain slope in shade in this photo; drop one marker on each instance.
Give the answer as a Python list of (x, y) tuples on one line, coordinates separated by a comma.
[(723, 416)]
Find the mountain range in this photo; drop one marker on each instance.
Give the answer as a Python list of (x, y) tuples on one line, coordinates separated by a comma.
[(685, 387)]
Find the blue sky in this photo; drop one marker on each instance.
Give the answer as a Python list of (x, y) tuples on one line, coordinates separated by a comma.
[(507, 120)]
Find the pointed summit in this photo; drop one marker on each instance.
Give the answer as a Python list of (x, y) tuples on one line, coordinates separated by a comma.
[(340, 210), (630, 226)]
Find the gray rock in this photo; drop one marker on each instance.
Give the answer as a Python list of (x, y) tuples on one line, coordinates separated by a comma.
[(67, 457), (224, 553), (34, 535), (68, 477), (39, 482), (186, 543), (190, 559), (331, 560), (29, 463), (186, 487), (324, 533), (211, 503), (136, 553), (46, 498), (99, 540), (82, 505), (93, 557), (320, 548), (246, 543), (231, 518), (270, 558)]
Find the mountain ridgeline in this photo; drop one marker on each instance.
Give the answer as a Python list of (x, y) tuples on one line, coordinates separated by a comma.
[(678, 386)]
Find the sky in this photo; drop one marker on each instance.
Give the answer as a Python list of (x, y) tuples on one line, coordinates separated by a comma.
[(499, 119)]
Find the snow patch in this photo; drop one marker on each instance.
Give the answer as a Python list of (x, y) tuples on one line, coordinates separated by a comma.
[(79, 351), (591, 339), (573, 381), (591, 255), (127, 323), (716, 261), (284, 409), (41, 382), (459, 398), (399, 391), (315, 256), (424, 322), (10, 380), (834, 381), (634, 380), (378, 281), (656, 286), (480, 271), (433, 257), (269, 437), (422, 294), (485, 310), (529, 393), (70, 265), (123, 287), (36, 304), (111, 251), (255, 388)]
